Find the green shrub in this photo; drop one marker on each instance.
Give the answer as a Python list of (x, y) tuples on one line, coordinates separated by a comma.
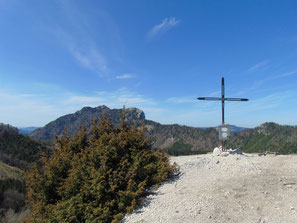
[(95, 176), (180, 148)]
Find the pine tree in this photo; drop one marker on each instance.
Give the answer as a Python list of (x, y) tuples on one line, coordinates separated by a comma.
[(95, 176)]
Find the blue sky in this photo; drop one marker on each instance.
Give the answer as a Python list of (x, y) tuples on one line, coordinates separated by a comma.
[(59, 56)]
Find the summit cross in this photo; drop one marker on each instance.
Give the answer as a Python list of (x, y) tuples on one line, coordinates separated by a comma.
[(223, 129)]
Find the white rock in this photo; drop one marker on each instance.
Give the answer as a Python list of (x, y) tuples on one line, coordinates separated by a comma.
[(217, 151)]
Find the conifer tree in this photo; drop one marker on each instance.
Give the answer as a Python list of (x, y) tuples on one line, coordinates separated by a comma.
[(95, 176)]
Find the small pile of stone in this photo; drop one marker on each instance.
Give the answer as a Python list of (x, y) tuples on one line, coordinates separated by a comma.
[(218, 151)]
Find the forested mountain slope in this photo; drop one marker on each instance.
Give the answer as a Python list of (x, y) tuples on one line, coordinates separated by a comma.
[(266, 137), (18, 150)]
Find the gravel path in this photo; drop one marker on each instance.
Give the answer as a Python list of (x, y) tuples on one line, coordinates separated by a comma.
[(236, 188)]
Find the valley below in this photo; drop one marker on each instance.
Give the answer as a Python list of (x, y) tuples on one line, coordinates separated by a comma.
[(236, 188)]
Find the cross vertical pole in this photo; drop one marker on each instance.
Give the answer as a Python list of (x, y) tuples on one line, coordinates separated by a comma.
[(223, 110), (223, 101)]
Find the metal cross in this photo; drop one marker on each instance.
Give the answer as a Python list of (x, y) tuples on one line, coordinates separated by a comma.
[(222, 99)]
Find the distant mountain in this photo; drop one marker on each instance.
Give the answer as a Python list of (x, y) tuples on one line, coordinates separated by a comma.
[(84, 117), (180, 139), (235, 129), (163, 136), (266, 137), (27, 130), (18, 150)]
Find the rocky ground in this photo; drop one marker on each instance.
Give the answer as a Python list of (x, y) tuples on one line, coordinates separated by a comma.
[(235, 188)]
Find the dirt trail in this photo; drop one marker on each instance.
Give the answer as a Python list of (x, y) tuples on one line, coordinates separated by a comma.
[(236, 188)]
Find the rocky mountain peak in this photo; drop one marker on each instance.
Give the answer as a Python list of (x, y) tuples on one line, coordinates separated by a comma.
[(84, 117), (137, 112)]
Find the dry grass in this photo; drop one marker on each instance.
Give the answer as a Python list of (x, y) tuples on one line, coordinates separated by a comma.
[(7, 171), (11, 217)]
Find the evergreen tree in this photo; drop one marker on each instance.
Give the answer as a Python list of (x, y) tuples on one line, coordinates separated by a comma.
[(95, 176)]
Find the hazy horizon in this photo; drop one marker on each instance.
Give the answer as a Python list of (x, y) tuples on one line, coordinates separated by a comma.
[(23, 127)]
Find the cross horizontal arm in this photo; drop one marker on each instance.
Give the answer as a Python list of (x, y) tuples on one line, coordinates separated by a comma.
[(222, 99), (210, 98), (236, 99)]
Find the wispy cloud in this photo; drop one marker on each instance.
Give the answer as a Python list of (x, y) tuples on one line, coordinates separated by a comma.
[(21, 109), (124, 96), (258, 83), (163, 27), (86, 100), (283, 75), (259, 66), (265, 103), (85, 53), (125, 76), (90, 58), (278, 107), (79, 34)]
